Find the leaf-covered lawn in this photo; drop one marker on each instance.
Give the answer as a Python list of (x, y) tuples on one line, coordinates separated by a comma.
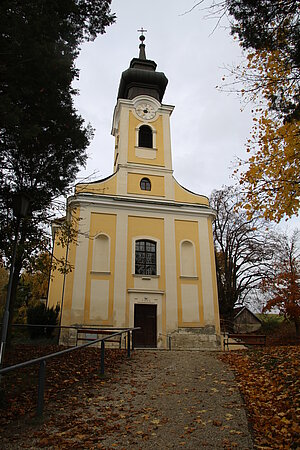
[(64, 376), (269, 380)]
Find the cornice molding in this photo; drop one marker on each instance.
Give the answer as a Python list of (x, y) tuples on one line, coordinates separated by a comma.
[(144, 167), (145, 291), (158, 206)]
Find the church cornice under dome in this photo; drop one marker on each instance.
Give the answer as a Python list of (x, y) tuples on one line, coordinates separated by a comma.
[(155, 205)]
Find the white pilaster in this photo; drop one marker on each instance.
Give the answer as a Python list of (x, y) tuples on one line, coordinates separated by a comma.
[(171, 282), (81, 259), (120, 269), (167, 141), (206, 275)]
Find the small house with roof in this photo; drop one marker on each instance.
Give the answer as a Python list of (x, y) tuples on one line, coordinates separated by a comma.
[(245, 321)]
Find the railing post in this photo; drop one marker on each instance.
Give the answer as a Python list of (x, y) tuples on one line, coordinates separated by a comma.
[(170, 345), (102, 357), (132, 340), (41, 388), (128, 344)]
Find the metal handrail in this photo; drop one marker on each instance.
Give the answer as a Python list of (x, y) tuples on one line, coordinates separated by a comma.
[(72, 327), (169, 337), (42, 360)]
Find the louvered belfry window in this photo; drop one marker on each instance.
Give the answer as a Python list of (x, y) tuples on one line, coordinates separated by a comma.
[(145, 137), (145, 257)]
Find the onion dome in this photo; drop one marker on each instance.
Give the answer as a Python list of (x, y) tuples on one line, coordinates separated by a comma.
[(141, 78)]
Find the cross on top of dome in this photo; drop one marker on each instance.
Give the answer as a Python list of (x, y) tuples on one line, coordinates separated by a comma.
[(142, 37), (142, 54)]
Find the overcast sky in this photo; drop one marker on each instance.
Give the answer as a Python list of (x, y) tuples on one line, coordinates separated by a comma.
[(208, 128)]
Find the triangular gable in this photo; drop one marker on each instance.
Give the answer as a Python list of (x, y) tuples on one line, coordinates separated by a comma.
[(238, 311)]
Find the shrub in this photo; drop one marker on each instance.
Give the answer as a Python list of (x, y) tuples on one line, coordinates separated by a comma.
[(41, 315), (271, 323)]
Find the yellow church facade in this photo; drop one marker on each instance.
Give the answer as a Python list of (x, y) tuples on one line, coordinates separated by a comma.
[(144, 253)]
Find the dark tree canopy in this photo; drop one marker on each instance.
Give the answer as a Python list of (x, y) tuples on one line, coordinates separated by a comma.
[(258, 24), (43, 139), (272, 25)]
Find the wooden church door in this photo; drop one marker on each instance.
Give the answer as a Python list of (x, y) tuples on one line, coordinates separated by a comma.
[(145, 317)]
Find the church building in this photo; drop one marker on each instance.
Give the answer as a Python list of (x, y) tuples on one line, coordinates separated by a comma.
[(143, 254)]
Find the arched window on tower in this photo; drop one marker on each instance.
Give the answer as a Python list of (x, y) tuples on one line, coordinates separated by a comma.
[(145, 137)]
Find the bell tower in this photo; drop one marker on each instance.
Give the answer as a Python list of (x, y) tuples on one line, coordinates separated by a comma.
[(141, 127)]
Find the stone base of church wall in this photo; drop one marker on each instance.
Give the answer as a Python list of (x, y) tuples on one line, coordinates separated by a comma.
[(202, 338), (68, 338)]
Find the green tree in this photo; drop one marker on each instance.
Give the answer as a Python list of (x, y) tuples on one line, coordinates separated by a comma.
[(41, 315), (42, 137)]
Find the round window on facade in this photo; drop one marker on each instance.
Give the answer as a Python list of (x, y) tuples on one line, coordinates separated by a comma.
[(145, 184)]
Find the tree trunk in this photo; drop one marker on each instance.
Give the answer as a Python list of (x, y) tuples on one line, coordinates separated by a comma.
[(297, 326), (16, 276), (15, 282)]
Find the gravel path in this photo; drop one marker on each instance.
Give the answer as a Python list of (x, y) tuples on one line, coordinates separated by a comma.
[(157, 400)]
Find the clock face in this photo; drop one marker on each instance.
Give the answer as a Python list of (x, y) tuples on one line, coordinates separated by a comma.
[(146, 111)]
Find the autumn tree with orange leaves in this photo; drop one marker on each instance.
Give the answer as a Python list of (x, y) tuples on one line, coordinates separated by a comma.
[(270, 177), (283, 286), (269, 78), (33, 285), (269, 32)]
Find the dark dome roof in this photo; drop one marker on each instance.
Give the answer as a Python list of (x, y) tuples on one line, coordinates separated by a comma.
[(142, 78)]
